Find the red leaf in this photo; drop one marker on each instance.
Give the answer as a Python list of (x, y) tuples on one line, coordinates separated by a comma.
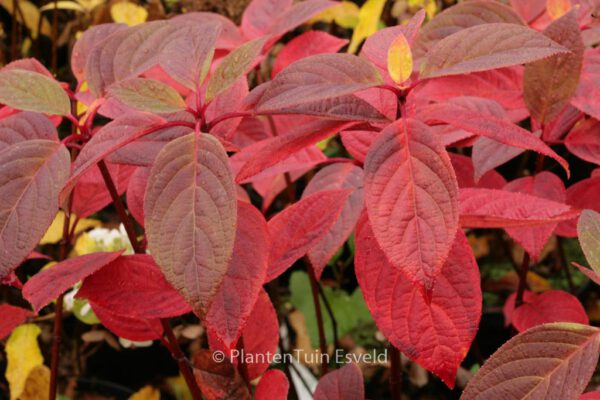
[(587, 96), (13, 280), (136, 191), (144, 149), (260, 15), (333, 177), (245, 276), (485, 47), (544, 185), (345, 383), (550, 306), (32, 174), (505, 86), (584, 194), (488, 154), (462, 115), (218, 380), (108, 139), (438, 333), (565, 120), (489, 208), (25, 126), (595, 395), (301, 226), (462, 16), (128, 328), (190, 210), (230, 36), (529, 9), (296, 15), (260, 338), (267, 153), (584, 141), (133, 286), (358, 143), (273, 385), (48, 284), (12, 317), (591, 274), (84, 45), (412, 199), (307, 44), (465, 174), (323, 85), (90, 194)]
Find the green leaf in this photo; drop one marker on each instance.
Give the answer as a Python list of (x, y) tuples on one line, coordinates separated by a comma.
[(147, 95), (350, 311), (234, 65), (32, 91), (588, 231)]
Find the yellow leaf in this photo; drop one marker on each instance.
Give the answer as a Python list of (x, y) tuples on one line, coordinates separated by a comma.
[(63, 5), (23, 355), (55, 232), (146, 393), (89, 5), (345, 14), (128, 13), (31, 15), (37, 384), (179, 388), (558, 8), (368, 22), (400, 60)]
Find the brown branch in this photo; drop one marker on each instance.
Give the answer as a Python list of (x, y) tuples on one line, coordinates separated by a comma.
[(173, 345)]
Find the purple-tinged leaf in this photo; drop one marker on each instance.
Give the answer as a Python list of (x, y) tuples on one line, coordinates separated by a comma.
[(107, 140), (25, 126), (461, 16), (84, 45), (549, 84), (323, 85), (551, 361), (190, 210), (345, 383), (32, 173), (485, 47), (260, 15)]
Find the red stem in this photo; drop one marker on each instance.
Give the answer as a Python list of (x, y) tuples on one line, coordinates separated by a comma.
[(315, 294), (395, 373), (177, 353), (225, 117), (522, 279)]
